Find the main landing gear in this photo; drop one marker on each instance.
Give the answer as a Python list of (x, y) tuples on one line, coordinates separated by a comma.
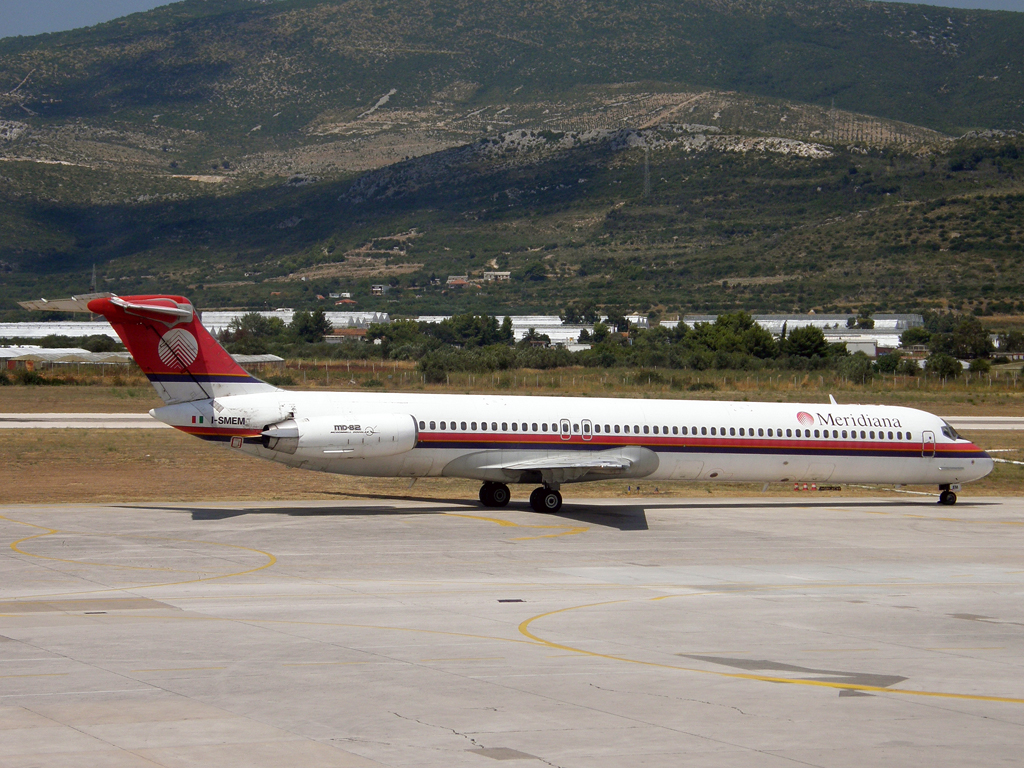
[(946, 496), (494, 494), (546, 500)]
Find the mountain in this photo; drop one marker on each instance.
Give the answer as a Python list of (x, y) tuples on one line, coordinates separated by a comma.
[(233, 148)]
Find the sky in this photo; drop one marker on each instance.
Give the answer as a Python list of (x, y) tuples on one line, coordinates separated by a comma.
[(32, 17)]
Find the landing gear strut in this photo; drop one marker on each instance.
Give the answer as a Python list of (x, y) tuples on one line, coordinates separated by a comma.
[(546, 500), (494, 494)]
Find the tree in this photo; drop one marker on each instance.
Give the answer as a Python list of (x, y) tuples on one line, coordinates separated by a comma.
[(1011, 342), (805, 342), (889, 363), (913, 337), (943, 365), (968, 338), (600, 332), (857, 368), (980, 365), (505, 333), (311, 326), (908, 368)]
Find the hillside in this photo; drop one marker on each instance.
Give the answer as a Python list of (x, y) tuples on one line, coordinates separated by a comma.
[(261, 153)]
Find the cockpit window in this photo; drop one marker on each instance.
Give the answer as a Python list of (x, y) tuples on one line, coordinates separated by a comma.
[(949, 432)]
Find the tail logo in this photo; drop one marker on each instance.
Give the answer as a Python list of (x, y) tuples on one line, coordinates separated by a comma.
[(178, 348)]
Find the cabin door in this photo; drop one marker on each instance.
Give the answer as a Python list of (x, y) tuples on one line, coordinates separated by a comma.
[(928, 445), (565, 429), (588, 429)]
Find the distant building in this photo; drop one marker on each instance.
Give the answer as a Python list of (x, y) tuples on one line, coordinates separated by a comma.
[(217, 322), (497, 277), (638, 321), (379, 290), (457, 278)]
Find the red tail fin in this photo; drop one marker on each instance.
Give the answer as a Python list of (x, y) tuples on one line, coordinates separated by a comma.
[(180, 357)]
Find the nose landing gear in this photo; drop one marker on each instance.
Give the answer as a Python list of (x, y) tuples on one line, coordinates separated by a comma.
[(494, 494), (546, 500), (947, 495)]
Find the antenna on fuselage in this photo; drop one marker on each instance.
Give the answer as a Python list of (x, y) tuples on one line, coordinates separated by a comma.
[(832, 400)]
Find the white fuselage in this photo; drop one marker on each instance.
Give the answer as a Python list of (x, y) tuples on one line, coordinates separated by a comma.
[(542, 439)]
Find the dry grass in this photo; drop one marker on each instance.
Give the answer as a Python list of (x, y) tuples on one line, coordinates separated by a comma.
[(103, 466)]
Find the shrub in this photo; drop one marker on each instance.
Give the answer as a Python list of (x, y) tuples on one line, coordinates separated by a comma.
[(980, 365), (29, 378)]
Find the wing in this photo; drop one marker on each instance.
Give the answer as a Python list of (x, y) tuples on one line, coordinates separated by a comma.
[(609, 464), (559, 466)]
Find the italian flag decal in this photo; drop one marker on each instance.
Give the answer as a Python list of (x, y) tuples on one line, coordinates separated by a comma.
[(197, 417)]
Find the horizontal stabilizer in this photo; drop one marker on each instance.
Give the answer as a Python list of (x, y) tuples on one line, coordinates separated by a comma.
[(74, 304)]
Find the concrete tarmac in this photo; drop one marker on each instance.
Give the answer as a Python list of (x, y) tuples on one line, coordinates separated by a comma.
[(413, 632)]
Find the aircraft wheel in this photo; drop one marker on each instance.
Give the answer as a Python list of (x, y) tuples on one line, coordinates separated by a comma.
[(948, 498), (535, 499), (500, 495), (550, 501), (487, 494)]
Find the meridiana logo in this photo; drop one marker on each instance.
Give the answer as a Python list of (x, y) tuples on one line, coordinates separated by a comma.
[(178, 348), (805, 418)]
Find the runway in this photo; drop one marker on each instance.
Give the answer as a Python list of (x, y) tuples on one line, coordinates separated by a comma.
[(413, 632), (145, 421)]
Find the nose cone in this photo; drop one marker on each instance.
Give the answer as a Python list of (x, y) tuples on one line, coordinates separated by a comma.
[(982, 464)]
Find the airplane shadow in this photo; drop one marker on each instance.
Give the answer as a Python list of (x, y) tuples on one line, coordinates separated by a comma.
[(629, 515)]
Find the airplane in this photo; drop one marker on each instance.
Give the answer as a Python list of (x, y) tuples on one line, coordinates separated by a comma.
[(501, 440)]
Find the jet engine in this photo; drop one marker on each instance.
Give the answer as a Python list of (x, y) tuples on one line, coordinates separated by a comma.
[(350, 436)]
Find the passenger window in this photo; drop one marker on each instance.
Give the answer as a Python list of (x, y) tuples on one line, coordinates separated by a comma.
[(713, 431), (789, 433), (504, 426), (534, 427), (483, 425), (703, 430), (760, 432), (616, 429), (442, 425), (636, 430), (741, 432), (646, 429), (815, 433), (871, 434), (655, 430), (675, 430), (899, 435), (684, 430), (664, 429), (463, 426), (732, 430), (844, 434), (586, 428), (890, 435), (494, 426), (576, 428), (422, 425), (515, 427), (908, 436), (607, 429), (473, 425), (769, 433)]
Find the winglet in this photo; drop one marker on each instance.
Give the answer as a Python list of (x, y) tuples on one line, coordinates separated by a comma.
[(832, 400)]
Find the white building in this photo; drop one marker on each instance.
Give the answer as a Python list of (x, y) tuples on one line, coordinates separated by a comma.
[(217, 321), (71, 328)]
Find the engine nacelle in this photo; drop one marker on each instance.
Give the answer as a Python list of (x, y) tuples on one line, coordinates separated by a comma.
[(368, 435)]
